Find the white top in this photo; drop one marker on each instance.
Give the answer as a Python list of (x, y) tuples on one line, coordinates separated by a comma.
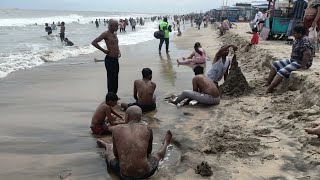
[(218, 69), (258, 16)]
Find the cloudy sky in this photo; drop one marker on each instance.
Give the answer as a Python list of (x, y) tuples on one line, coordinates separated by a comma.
[(166, 6)]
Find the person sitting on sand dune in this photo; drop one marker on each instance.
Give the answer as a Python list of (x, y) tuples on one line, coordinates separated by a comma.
[(314, 131), (301, 58), (204, 90), (198, 56), (103, 118), (220, 65), (130, 154), (143, 92)]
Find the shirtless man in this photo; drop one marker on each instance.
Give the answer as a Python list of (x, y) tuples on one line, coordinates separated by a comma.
[(105, 117), (112, 54), (62, 31), (143, 92), (204, 90), (130, 155), (313, 131)]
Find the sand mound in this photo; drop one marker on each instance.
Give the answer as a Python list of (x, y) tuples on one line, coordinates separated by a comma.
[(204, 169), (236, 84), (235, 141)]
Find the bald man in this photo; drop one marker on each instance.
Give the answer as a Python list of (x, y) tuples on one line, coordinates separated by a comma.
[(130, 155), (112, 54)]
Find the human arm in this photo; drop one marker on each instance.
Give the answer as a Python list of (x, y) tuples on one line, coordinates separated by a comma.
[(97, 40), (307, 55), (135, 91), (116, 114), (191, 55), (226, 73), (314, 24), (195, 84), (149, 151), (224, 48)]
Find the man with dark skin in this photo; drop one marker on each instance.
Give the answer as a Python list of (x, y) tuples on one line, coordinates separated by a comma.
[(143, 92), (204, 90), (112, 54), (105, 117), (62, 31), (130, 155)]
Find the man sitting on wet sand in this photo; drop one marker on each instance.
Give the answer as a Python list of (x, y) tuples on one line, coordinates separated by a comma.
[(204, 90), (143, 92), (301, 58), (130, 155), (105, 117)]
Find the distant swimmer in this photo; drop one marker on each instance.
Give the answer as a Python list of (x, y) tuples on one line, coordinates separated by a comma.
[(130, 156), (62, 31), (97, 23), (53, 26), (68, 42), (48, 29), (58, 23), (105, 116), (143, 92)]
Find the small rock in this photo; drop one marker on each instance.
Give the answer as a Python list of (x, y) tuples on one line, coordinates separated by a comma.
[(204, 169)]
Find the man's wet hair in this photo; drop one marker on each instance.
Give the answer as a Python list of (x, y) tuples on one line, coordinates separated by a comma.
[(300, 30), (198, 70), (46, 24), (146, 72), (111, 96)]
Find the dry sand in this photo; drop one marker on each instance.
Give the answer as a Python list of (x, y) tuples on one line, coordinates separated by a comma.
[(46, 111), (256, 136)]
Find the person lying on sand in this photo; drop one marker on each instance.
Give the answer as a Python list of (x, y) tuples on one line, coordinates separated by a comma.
[(143, 92), (130, 154), (221, 64), (204, 90), (105, 117), (198, 56), (314, 131), (301, 58)]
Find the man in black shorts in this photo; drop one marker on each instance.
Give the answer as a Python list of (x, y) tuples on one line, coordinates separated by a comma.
[(130, 154), (143, 92)]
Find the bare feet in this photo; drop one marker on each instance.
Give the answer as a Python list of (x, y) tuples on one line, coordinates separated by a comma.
[(167, 139), (314, 131), (172, 101)]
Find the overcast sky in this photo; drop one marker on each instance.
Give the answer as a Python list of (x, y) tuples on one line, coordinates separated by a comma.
[(166, 6)]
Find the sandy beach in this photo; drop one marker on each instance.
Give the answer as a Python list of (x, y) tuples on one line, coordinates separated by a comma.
[(46, 113)]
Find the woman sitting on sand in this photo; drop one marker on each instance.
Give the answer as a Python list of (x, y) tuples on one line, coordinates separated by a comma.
[(198, 56)]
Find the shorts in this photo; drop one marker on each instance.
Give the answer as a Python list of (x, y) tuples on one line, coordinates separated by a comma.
[(152, 160), (62, 35), (100, 129), (144, 108), (285, 67)]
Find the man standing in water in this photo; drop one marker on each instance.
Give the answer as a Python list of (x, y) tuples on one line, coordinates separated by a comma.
[(164, 26), (112, 54), (130, 155), (62, 30)]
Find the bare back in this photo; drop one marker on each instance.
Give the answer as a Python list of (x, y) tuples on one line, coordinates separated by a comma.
[(145, 90), (112, 43), (101, 113), (203, 84), (131, 143)]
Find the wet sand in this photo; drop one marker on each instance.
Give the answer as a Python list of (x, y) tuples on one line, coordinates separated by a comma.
[(46, 112)]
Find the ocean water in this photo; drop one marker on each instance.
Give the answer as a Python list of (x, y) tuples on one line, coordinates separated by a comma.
[(25, 44)]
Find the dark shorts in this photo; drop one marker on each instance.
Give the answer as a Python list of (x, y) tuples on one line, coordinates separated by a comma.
[(153, 161), (62, 35), (100, 129), (144, 108), (261, 22)]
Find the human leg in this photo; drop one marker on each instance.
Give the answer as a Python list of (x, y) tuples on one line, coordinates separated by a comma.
[(186, 62), (112, 67), (167, 44), (185, 94), (161, 43)]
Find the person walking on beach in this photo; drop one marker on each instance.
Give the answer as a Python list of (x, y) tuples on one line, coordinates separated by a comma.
[(164, 26), (143, 92), (204, 90), (130, 156), (301, 58), (112, 54), (62, 31)]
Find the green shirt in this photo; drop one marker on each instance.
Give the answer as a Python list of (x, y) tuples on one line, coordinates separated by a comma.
[(164, 26)]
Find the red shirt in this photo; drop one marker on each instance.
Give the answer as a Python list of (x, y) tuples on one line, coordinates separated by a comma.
[(255, 38)]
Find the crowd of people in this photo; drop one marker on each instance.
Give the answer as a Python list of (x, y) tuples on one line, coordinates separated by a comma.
[(53, 27)]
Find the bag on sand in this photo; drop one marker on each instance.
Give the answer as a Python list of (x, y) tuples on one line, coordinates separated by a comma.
[(159, 34), (313, 35)]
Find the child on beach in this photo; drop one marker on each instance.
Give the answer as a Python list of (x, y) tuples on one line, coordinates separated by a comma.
[(198, 56), (254, 39), (105, 117)]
